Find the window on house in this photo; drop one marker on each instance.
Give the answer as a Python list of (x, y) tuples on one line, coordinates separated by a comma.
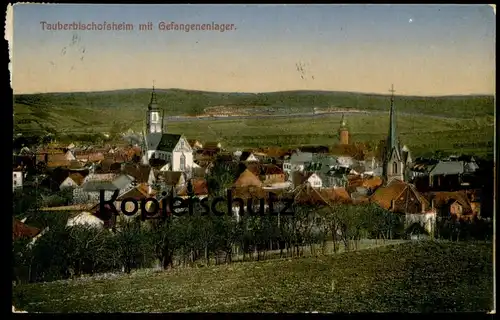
[(394, 167), (182, 143), (183, 162), (15, 175), (15, 182)]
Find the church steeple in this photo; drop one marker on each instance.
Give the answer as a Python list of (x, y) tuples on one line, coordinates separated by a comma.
[(154, 117), (152, 103), (343, 122), (343, 131), (392, 138)]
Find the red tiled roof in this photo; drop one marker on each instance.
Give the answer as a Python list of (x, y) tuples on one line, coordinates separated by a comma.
[(78, 178), (271, 169), (372, 183), (200, 188), (384, 196), (442, 198), (247, 178), (21, 230), (324, 196)]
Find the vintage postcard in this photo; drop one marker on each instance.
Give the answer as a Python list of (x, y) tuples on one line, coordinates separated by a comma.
[(253, 158)]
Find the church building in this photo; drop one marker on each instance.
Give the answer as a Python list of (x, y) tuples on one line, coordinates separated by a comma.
[(397, 159), (158, 144), (343, 132)]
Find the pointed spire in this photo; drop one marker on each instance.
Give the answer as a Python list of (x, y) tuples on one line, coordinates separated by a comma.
[(152, 102), (343, 122), (392, 138)]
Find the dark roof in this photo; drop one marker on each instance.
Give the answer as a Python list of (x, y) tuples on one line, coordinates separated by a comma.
[(97, 185), (162, 141), (244, 155), (78, 178), (139, 172), (269, 169), (170, 178), (200, 188), (108, 166), (137, 193)]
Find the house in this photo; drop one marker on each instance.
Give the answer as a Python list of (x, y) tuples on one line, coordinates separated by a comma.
[(140, 173), (195, 144), (335, 177), (321, 197), (298, 161), (345, 161), (403, 198), (212, 146), (309, 178), (457, 204), (138, 193), (253, 199), (170, 179), (446, 175), (74, 180), (89, 156), (17, 178), (21, 230), (85, 219), (199, 189), (248, 157), (89, 191), (247, 179), (272, 174), (108, 166)]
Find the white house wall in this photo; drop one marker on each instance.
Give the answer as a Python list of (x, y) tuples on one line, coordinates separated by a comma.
[(68, 183), (427, 220), (17, 179)]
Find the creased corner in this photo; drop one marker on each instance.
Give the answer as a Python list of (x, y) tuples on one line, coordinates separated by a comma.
[(9, 36), (494, 6)]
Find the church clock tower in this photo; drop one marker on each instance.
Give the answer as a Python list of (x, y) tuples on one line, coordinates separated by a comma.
[(343, 131), (154, 116)]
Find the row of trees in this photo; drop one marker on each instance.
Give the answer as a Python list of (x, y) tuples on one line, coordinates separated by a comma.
[(196, 239)]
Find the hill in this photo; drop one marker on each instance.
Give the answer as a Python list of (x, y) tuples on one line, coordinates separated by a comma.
[(127, 107), (426, 124)]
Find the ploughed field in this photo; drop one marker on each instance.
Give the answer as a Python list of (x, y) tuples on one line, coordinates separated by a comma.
[(409, 277)]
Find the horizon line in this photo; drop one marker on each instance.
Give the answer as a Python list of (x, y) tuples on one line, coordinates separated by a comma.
[(262, 92)]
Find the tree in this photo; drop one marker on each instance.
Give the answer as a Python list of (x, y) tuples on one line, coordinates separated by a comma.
[(87, 249), (130, 241), (162, 242)]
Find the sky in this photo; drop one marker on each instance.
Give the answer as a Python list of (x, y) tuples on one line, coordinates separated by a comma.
[(421, 49)]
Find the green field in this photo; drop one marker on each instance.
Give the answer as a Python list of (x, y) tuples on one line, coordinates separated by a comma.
[(410, 277), (422, 134), (424, 124)]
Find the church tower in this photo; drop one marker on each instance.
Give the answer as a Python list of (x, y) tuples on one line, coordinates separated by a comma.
[(154, 116), (343, 132), (394, 166)]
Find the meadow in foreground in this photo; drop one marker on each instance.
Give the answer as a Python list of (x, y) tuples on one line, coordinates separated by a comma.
[(410, 277)]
